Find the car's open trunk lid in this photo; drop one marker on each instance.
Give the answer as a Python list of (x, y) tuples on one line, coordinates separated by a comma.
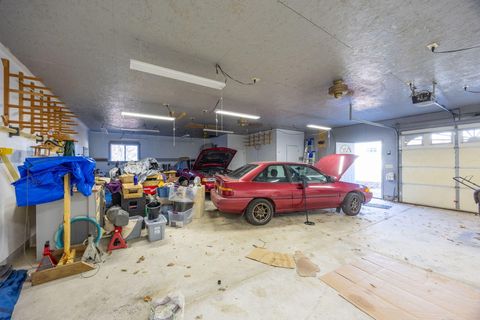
[(335, 165), (214, 157)]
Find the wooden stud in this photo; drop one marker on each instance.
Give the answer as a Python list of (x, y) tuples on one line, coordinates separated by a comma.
[(6, 89)]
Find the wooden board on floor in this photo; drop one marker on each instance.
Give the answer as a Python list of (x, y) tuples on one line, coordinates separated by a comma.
[(386, 288), (60, 271), (276, 259)]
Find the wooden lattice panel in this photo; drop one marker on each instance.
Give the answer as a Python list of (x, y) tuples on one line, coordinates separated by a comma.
[(32, 106)]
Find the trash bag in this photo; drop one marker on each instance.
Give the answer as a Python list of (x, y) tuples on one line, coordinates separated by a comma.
[(41, 179), (143, 168), (170, 307)]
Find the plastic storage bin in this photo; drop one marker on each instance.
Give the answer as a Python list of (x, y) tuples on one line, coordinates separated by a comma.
[(181, 206), (163, 192), (156, 228), (180, 219), (137, 227)]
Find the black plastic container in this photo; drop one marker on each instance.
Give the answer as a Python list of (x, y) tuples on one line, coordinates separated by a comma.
[(153, 210), (181, 206)]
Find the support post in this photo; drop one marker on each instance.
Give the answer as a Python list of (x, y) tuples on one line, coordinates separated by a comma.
[(68, 255)]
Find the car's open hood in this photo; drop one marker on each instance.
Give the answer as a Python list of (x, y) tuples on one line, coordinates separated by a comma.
[(335, 165), (214, 157)]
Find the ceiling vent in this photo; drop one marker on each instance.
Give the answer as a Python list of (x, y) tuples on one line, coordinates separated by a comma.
[(339, 89)]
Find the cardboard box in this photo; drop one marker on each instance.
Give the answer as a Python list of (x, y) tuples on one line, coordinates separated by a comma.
[(130, 190), (126, 178)]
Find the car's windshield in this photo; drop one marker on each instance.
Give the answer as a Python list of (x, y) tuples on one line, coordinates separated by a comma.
[(240, 172)]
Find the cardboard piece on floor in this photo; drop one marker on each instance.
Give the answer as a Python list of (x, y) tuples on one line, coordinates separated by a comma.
[(305, 267), (276, 259), (386, 288)]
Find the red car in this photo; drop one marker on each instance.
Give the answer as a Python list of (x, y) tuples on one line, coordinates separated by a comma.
[(209, 162), (261, 189)]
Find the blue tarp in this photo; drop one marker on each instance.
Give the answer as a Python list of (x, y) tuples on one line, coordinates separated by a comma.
[(9, 293), (41, 179)]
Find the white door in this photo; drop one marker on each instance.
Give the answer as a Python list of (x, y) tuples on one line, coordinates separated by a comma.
[(292, 153), (367, 168)]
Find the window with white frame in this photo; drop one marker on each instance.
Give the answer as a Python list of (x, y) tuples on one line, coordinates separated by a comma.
[(441, 137), (471, 135), (124, 151), (413, 140)]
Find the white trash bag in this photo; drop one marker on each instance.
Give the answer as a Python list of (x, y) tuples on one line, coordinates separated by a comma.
[(170, 307)]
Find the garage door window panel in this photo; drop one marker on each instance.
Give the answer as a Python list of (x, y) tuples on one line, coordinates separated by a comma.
[(413, 140), (471, 135), (441, 137)]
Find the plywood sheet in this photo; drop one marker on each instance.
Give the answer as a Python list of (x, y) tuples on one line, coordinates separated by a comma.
[(276, 259), (386, 288)]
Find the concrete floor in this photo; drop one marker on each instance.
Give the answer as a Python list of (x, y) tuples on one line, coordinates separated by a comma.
[(214, 247)]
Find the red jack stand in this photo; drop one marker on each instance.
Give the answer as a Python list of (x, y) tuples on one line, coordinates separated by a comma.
[(48, 260), (117, 241)]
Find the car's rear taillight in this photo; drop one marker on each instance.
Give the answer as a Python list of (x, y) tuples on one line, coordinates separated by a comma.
[(225, 192)]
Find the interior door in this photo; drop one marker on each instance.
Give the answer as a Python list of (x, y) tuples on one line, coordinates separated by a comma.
[(319, 193)]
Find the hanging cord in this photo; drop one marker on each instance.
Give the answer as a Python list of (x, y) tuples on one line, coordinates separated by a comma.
[(227, 76), (470, 91), (455, 50), (27, 228)]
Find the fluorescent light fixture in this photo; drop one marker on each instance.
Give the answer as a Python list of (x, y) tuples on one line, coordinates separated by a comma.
[(174, 74), (139, 130), (314, 126), (217, 131), (147, 116), (237, 114)]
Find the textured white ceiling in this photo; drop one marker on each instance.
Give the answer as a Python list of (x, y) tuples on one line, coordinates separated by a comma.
[(297, 48)]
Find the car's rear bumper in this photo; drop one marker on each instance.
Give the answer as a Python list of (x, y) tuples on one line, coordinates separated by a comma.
[(229, 205)]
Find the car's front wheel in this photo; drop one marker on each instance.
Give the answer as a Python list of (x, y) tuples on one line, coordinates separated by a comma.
[(259, 212), (352, 204)]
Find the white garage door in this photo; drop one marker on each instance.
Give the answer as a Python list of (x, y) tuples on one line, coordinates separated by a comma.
[(469, 163), (429, 163)]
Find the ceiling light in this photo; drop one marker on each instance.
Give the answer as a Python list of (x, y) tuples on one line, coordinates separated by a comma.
[(237, 114), (314, 126), (148, 116), (174, 74), (217, 131), (139, 130)]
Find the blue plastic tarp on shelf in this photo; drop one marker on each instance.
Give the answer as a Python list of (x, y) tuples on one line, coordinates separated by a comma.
[(41, 179)]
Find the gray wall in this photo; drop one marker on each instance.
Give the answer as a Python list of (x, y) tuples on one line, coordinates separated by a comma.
[(151, 146)]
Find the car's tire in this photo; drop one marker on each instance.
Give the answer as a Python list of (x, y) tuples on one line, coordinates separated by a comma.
[(259, 212), (352, 204)]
